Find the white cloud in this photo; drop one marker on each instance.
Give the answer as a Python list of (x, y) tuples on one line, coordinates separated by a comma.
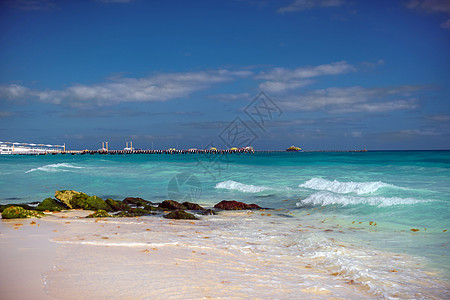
[(279, 86), (335, 68), (32, 4), (440, 118), (12, 91), (446, 24), (283, 79), (299, 5), (159, 87), (232, 97), (355, 99), (430, 6)]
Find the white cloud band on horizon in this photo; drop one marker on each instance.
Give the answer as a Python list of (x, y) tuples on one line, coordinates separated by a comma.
[(354, 99), (159, 87)]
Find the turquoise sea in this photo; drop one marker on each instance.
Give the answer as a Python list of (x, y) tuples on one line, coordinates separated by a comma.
[(349, 214)]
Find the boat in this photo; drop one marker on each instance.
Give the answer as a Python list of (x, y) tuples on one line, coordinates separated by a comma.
[(294, 149)]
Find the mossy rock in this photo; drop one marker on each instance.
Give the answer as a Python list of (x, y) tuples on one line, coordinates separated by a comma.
[(136, 201), (180, 215), (192, 206), (99, 214), (17, 212), (67, 196), (24, 206), (90, 203), (117, 205), (172, 205), (134, 212), (51, 205)]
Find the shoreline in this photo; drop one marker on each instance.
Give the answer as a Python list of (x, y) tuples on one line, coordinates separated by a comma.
[(234, 254), (27, 254)]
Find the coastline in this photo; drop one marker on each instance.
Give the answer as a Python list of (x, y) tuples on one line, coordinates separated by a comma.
[(27, 254), (234, 255)]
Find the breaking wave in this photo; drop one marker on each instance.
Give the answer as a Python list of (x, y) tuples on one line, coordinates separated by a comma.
[(344, 187), (61, 167), (327, 198), (246, 188)]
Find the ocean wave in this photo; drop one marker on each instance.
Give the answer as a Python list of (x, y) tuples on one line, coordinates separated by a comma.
[(61, 167), (246, 188), (377, 270), (327, 198), (344, 187)]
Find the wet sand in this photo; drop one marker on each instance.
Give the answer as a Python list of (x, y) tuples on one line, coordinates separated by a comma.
[(26, 254), (235, 255)]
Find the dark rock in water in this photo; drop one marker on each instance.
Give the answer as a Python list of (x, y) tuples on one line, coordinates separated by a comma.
[(99, 214), (208, 212), (117, 205), (192, 206), (90, 203), (67, 197), (235, 205), (136, 201), (50, 205), (172, 205), (180, 215), (17, 212)]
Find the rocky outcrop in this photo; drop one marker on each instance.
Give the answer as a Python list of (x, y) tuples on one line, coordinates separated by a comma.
[(17, 212), (192, 206), (90, 203), (136, 201), (50, 205), (67, 196), (235, 205), (99, 214), (117, 205), (180, 215), (172, 205)]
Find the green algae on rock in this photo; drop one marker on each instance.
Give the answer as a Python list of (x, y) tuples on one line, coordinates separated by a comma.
[(90, 203), (67, 196), (172, 205), (17, 212), (99, 214), (180, 215), (50, 205)]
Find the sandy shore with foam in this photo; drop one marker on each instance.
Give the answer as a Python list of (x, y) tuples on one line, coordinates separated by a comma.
[(232, 255)]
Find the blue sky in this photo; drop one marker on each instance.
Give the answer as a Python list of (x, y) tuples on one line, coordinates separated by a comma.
[(335, 74)]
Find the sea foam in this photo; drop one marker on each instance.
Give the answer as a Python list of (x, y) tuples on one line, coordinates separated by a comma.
[(246, 188), (61, 167), (326, 198), (344, 187)]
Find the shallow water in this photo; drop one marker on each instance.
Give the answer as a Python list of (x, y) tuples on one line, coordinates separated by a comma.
[(347, 216)]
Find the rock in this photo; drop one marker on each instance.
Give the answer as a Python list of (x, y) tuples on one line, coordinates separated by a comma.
[(235, 205), (172, 205), (24, 206), (99, 214), (17, 212), (180, 215), (66, 196), (117, 205), (134, 212), (192, 206), (90, 203), (208, 212), (136, 201), (51, 205)]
